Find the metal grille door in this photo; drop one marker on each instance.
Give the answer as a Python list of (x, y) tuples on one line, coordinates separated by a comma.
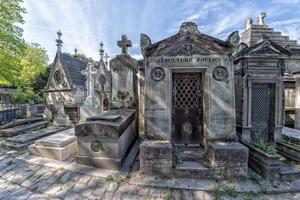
[(261, 112), (187, 121)]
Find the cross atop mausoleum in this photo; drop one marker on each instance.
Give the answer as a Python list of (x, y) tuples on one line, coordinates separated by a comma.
[(124, 44), (101, 51), (261, 17)]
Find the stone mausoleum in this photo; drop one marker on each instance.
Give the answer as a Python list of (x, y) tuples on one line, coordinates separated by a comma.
[(189, 107)]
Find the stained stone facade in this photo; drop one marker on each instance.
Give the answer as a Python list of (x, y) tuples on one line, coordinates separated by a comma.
[(259, 90), (253, 34), (189, 106)]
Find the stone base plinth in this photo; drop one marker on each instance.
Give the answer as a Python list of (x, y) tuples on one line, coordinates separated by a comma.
[(228, 159), (87, 111), (60, 146), (61, 120), (267, 166), (156, 158), (56, 153)]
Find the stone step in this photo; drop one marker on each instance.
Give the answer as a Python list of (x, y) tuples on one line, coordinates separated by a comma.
[(23, 141), (289, 173), (18, 122), (186, 153), (17, 130), (192, 169), (129, 161)]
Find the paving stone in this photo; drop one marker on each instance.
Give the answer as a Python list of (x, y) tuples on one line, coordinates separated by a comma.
[(142, 191), (71, 196), (84, 179), (117, 196), (200, 195), (53, 190), (65, 188), (131, 197), (39, 197), (87, 193), (108, 195), (127, 189), (112, 187), (78, 187), (19, 194), (96, 182), (99, 192), (65, 177)]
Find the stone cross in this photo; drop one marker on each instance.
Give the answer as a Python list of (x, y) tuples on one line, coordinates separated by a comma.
[(261, 17), (106, 59), (75, 51), (124, 44), (90, 72), (59, 41)]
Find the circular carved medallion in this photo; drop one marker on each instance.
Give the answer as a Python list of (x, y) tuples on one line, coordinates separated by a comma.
[(58, 77), (220, 73), (157, 74), (97, 146), (65, 84), (187, 128)]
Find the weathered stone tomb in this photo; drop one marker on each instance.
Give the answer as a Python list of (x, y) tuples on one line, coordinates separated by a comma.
[(189, 107), (105, 140)]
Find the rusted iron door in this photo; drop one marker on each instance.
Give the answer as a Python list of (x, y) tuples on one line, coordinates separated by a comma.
[(187, 109), (262, 112)]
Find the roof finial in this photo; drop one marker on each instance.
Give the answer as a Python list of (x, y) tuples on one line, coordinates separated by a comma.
[(261, 17), (106, 59), (124, 43), (75, 51), (59, 42), (101, 51)]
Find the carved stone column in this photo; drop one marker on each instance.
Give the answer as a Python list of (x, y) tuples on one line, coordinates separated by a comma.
[(297, 99)]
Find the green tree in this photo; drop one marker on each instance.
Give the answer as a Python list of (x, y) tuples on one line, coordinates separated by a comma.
[(33, 68), (33, 63), (40, 81), (83, 57), (12, 46)]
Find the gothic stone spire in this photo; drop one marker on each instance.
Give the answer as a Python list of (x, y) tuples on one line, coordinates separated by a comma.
[(124, 43), (101, 51)]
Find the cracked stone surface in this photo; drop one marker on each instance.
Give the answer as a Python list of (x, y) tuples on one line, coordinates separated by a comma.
[(23, 180)]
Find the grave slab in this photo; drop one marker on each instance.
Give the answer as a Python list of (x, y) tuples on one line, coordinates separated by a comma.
[(9, 132), (18, 122), (60, 146), (22, 141)]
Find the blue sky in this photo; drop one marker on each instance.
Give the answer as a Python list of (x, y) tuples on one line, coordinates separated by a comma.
[(84, 23)]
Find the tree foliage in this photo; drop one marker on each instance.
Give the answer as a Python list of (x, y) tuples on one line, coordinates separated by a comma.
[(83, 57), (33, 74), (12, 46)]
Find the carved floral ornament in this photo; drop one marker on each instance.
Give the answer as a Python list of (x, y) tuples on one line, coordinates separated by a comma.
[(220, 73), (157, 74), (58, 76)]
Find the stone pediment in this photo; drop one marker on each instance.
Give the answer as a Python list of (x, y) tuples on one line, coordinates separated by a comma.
[(184, 49), (266, 51), (187, 42), (265, 48)]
